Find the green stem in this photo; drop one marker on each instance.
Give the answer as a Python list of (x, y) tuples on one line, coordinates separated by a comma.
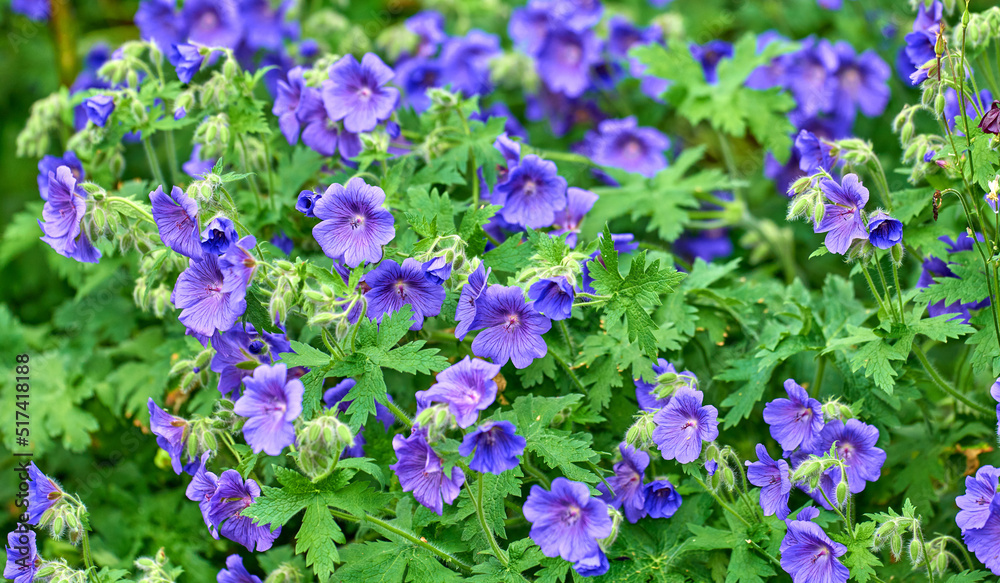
[(871, 286), (818, 378), (923, 551), (722, 502), (228, 440), (135, 206), (564, 156), (398, 413), (566, 337), (88, 558), (418, 541), (271, 194), (478, 500), (944, 385), (882, 183), (154, 164), (537, 473), (172, 157), (885, 288), (899, 289), (569, 371), (251, 180), (846, 520)]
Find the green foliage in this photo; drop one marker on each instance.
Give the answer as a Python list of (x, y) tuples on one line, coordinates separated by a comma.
[(630, 295)]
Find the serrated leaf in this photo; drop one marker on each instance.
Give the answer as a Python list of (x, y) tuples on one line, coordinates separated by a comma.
[(304, 355)]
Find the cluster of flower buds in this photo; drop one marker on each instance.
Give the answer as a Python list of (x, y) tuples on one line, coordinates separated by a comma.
[(128, 67), (437, 420), (213, 134), (285, 573), (151, 291), (812, 469), (834, 409), (321, 442), (286, 279), (640, 434), (981, 27), (157, 569), (59, 572), (450, 250), (717, 460), (669, 383), (46, 116), (194, 371), (894, 528)]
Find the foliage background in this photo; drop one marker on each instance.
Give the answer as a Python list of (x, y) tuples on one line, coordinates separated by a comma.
[(96, 358)]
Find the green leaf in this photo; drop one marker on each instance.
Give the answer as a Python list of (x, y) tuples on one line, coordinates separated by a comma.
[(317, 538), (666, 198), (304, 355), (968, 577), (510, 257), (392, 562), (257, 313), (860, 560), (630, 294)]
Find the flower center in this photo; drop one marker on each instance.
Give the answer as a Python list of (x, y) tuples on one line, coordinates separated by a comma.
[(512, 321), (365, 93), (821, 553), (633, 148), (571, 515), (400, 288), (357, 222), (530, 187), (571, 54)]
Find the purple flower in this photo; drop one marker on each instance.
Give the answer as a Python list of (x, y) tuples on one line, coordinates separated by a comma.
[(934, 267), (532, 193), (356, 92), (157, 21), (862, 82), (709, 56), (773, 478), (855, 443), (416, 76), (394, 285), (952, 112), (465, 311), (286, 104), (975, 503), (306, 202), (420, 471), (355, 224), (205, 307), (438, 269), (429, 26), (235, 572), (466, 386), (202, 489), (578, 204), (62, 216), (662, 499), (842, 221), (553, 297), (187, 59), (43, 493), (195, 167), (565, 58), (990, 123), (884, 231), (37, 10), (513, 328), (623, 35), (218, 235), (231, 498), (176, 217), (238, 266), (809, 556), (283, 242), (566, 522), (320, 132), (795, 421), (563, 113), (814, 153), (213, 23), (238, 352), (99, 108), (466, 61), (629, 494), (684, 424), (528, 26), (592, 566), (23, 561), (51, 164), (171, 434), (496, 447), (270, 403), (985, 541), (621, 143), (811, 76)]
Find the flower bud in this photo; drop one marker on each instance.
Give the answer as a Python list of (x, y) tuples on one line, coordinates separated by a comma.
[(896, 545), (321, 442), (842, 493), (798, 207), (728, 478), (939, 103), (916, 552), (819, 211), (896, 252)]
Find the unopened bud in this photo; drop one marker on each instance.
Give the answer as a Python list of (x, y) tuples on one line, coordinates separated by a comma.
[(916, 552), (842, 493), (896, 545), (896, 252)]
